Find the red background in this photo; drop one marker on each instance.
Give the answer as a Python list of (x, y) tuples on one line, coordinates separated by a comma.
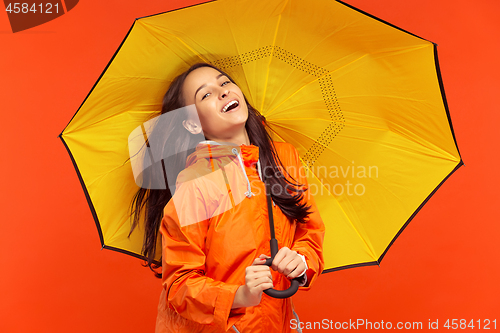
[(53, 276)]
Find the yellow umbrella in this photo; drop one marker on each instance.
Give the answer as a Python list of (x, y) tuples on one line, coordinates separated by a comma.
[(361, 100)]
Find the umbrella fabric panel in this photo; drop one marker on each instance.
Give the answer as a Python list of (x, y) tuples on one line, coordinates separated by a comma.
[(389, 193), (404, 98), (101, 154), (343, 244)]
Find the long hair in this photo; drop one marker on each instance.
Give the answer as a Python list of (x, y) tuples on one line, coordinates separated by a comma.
[(176, 139)]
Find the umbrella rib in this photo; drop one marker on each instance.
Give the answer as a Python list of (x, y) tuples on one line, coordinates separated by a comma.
[(440, 153), (313, 81), (106, 118), (342, 67), (116, 230), (368, 54), (294, 93), (176, 37), (293, 130), (98, 178), (310, 51), (388, 96), (271, 57), (238, 52)]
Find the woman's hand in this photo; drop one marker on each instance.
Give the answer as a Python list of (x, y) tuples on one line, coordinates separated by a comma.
[(288, 263), (257, 279)]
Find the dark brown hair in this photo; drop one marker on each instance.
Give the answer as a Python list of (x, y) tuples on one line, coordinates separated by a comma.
[(151, 202)]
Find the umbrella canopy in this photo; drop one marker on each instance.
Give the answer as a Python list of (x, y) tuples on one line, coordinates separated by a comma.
[(360, 99)]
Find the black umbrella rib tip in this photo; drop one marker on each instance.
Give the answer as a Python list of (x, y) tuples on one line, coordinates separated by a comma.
[(379, 19)]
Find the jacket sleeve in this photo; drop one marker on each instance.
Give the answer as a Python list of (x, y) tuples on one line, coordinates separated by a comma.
[(308, 239), (192, 294)]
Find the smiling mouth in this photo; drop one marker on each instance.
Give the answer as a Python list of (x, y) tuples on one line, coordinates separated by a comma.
[(229, 106)]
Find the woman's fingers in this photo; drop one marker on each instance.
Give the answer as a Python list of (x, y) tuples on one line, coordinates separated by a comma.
[(258, 278), (259, 261), (261, 282), (288, 263), (294, 268), (279, 257), (258, 271), (283, 258), (255, 272)]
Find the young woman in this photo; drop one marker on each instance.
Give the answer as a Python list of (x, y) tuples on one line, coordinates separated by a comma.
[(215, 228)]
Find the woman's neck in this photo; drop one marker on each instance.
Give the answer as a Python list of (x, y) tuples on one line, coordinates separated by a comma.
[(241, 139)]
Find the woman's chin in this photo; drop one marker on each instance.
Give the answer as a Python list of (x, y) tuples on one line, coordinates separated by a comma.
[(233, 133), (236, 119)]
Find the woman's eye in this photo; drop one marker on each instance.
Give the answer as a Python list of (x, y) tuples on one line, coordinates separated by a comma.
[(208, 94)]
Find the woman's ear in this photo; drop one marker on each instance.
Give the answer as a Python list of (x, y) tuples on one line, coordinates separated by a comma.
[(192, 126)]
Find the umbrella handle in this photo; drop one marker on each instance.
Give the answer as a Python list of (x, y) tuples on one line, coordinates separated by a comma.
[(295, 282)]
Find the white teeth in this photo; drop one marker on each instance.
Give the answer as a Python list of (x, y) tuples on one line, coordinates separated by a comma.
[(224, 109)]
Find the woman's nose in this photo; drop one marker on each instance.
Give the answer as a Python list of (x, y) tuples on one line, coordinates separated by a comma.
[(224, 93)]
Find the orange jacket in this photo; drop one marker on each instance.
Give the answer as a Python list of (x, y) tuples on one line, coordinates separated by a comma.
[(213, 228)]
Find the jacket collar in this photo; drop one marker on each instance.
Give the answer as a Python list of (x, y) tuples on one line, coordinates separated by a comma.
[(215, 150), (246, 156)]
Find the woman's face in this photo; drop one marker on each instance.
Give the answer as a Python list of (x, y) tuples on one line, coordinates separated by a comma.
[(220, 104)]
